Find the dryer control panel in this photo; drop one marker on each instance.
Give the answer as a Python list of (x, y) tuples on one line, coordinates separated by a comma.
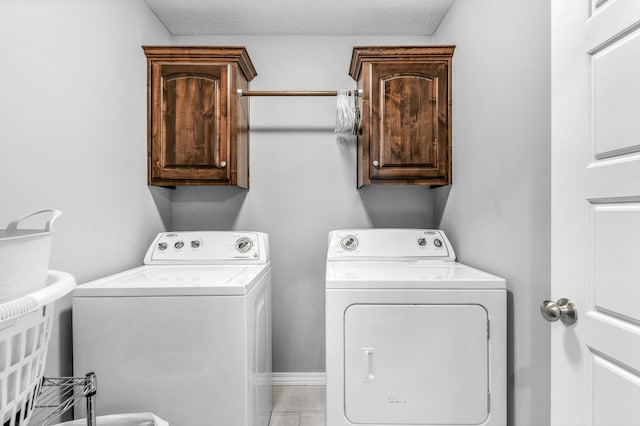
[(389, 244), (208, 247)]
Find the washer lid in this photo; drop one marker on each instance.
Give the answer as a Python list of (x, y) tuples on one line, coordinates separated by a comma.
[(409, 275), (183, 280)]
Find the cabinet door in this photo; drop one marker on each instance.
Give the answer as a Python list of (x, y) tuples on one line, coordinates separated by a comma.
[(190, 135), (409, 121)]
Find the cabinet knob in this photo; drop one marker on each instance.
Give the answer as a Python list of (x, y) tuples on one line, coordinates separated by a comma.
[(223, 164), (376, 163)]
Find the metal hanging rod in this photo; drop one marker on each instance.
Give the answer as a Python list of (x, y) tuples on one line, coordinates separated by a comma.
[(242, 93)]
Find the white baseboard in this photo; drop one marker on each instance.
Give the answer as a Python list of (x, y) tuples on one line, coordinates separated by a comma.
[(298, 379)]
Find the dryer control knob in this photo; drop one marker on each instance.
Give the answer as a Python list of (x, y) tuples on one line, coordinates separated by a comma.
[(437, 242), (162, 246), (195, 243), (179, 244), (422, 242), (349, 242)]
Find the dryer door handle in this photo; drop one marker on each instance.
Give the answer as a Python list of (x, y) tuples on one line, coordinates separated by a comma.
[(367, 364)]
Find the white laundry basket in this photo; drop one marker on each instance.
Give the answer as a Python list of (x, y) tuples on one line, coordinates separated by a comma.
[(25, 330), (132, 419), (24, 256)]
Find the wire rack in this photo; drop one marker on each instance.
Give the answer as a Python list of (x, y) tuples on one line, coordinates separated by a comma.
[(60, 394)]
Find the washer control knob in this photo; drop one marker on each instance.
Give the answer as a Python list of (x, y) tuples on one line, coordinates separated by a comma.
[(244, 244), (162, 246), (195, 243), (422, 241), (437, 242), (349, 242), (179, 244)]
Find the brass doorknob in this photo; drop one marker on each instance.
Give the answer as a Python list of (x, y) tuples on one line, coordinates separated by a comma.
[(564, 310)]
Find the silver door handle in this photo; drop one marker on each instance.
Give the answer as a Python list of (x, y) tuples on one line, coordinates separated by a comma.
[(564, 310)]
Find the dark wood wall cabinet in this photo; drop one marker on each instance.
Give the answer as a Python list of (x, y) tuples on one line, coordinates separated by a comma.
[(198, 129), (405, 131)]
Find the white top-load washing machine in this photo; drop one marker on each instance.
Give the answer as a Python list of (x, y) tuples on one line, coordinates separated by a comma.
[(187, 336), (412, 336)]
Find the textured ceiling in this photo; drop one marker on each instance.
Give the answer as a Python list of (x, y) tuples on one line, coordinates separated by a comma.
[(302, 17)]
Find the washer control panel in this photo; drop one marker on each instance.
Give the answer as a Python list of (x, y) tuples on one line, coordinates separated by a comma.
[(389, 244), (208, 247)]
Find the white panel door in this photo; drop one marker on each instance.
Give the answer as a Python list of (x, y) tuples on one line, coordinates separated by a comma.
[(416, 364), (595, 363)]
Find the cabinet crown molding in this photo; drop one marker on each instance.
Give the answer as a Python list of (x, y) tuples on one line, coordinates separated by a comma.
[(237, 54), (393, 53)]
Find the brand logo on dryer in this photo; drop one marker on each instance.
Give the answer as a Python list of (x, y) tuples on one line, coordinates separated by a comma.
[(394, 400)]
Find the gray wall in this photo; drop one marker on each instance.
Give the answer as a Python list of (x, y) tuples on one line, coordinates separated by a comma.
[(497, 212), (303, 183), (73, 135)]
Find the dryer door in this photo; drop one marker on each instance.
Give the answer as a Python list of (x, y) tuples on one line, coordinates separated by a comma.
[(416, 364)]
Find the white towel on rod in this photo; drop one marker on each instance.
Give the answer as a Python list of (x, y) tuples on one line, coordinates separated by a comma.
[(345, 113)]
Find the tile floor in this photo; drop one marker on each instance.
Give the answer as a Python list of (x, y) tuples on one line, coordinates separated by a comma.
[(298, 406)]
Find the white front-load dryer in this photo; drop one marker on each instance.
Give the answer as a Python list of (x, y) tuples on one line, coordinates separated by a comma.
[(187, 336), (412, 336)]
